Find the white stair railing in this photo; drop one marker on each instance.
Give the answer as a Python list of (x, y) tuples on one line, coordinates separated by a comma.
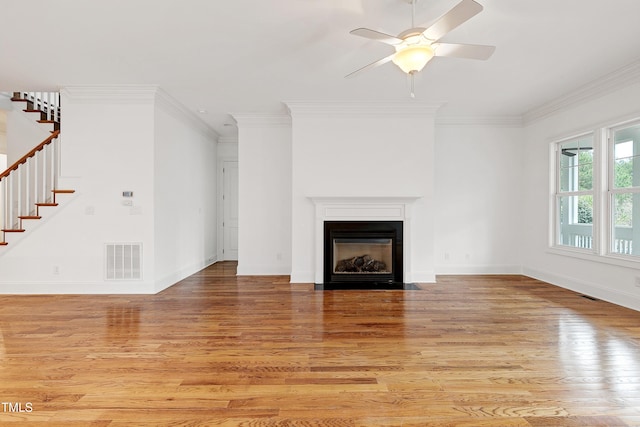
[(27, 184)]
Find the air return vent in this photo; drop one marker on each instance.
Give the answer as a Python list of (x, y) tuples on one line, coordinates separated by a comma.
[(123, 261)]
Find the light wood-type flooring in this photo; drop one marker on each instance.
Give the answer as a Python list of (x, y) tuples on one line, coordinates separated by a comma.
[(220, 350)]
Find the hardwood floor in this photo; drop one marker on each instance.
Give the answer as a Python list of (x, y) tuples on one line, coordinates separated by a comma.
[(217, 350)]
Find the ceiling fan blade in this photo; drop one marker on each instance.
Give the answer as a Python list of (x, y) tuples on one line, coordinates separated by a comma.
[(469, 51), (376, 35), (370, 66), (460, 14)]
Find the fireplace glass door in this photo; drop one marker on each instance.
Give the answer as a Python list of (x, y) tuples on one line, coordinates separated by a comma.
[(362, 251), (356, 256)]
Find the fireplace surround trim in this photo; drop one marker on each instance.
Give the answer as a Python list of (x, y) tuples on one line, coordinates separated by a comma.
[(368, 208)]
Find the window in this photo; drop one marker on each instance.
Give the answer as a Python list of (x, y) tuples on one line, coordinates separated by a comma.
[(574, 195), (596, 194), (624, 189)]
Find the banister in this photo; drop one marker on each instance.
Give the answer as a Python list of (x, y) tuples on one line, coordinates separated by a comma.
[(31, 153)]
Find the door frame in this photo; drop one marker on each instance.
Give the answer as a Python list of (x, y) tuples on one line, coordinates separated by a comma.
[(220, 203)]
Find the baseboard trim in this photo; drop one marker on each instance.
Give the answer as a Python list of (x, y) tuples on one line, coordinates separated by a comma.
[(420, 277), (623, 299), (302, 277), (478, 269), (172, 279), (262, 270), (78, 288)]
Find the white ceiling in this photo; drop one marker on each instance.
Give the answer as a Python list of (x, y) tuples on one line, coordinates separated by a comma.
[(248, 56)]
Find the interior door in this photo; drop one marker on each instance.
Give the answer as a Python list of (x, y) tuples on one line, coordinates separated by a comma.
[(230, 210)]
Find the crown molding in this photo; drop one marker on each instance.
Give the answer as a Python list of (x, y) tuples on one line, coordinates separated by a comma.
[(228, 139), (257, 120), (493, 121), (179, 111), (618, 79), (117, 94), (136, 94), (363, 109)]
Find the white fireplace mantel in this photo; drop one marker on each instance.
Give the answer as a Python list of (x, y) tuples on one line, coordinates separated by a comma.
[(367, 208)]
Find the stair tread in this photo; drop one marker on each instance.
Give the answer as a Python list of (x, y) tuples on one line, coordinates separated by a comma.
[(64, 191), (46, 204), (33, 111), (30, 217), (3, 243), (9, 230), (47, 121)]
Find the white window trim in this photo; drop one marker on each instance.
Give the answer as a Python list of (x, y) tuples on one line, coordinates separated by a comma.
[(554, 230), (602, 198)]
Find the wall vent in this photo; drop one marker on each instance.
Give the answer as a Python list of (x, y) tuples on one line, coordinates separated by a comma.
[(123, 261)]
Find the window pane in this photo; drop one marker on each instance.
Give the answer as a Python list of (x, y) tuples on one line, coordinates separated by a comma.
[(568, 151), (576, 165), (623, 149), (576, 221), (623, 172), (585, 171), (626, 149), (568, 179), (623, 236)]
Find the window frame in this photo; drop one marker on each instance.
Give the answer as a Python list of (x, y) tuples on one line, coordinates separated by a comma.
[(558, 193), (603, 196), (611, 190)]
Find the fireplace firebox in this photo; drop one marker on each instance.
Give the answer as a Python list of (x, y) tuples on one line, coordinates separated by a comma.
[(363, 252)]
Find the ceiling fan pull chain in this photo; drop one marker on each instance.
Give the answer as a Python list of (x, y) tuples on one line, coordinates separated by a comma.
[(412, 90)]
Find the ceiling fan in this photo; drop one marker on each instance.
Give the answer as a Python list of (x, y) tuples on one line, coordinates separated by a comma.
[(416, 46)]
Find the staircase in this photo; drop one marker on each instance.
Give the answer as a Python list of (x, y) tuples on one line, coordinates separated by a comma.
[(31, 183), (46, 104)]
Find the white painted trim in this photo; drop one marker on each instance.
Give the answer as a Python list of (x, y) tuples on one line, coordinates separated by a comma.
[(589, 255), (77, 288), (618, 79), (177, 276), (261, 270), (117, 94), (170, 105), (255, 120), (302, 276), (478, 269), (596, 290), (220, 203), (363, 109), (228, 139), (492, 121), (102, 287), (364, 209), (421, 277)]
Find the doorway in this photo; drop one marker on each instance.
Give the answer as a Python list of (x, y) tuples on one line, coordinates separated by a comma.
[(230, 210)]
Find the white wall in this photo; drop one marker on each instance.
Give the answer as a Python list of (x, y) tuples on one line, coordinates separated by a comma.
[(110, 145), (3, 134), (362, 150), (23, 133), (606, 281), (479, 197), (264, 202), (184, 194)]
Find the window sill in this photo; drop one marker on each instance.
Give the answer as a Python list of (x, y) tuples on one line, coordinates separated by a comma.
[(621, 261)]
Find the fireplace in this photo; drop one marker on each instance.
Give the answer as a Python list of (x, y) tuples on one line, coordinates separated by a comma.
[(363, 252)]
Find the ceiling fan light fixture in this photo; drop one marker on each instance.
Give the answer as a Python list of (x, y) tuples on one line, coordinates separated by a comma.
[(413, 58)]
